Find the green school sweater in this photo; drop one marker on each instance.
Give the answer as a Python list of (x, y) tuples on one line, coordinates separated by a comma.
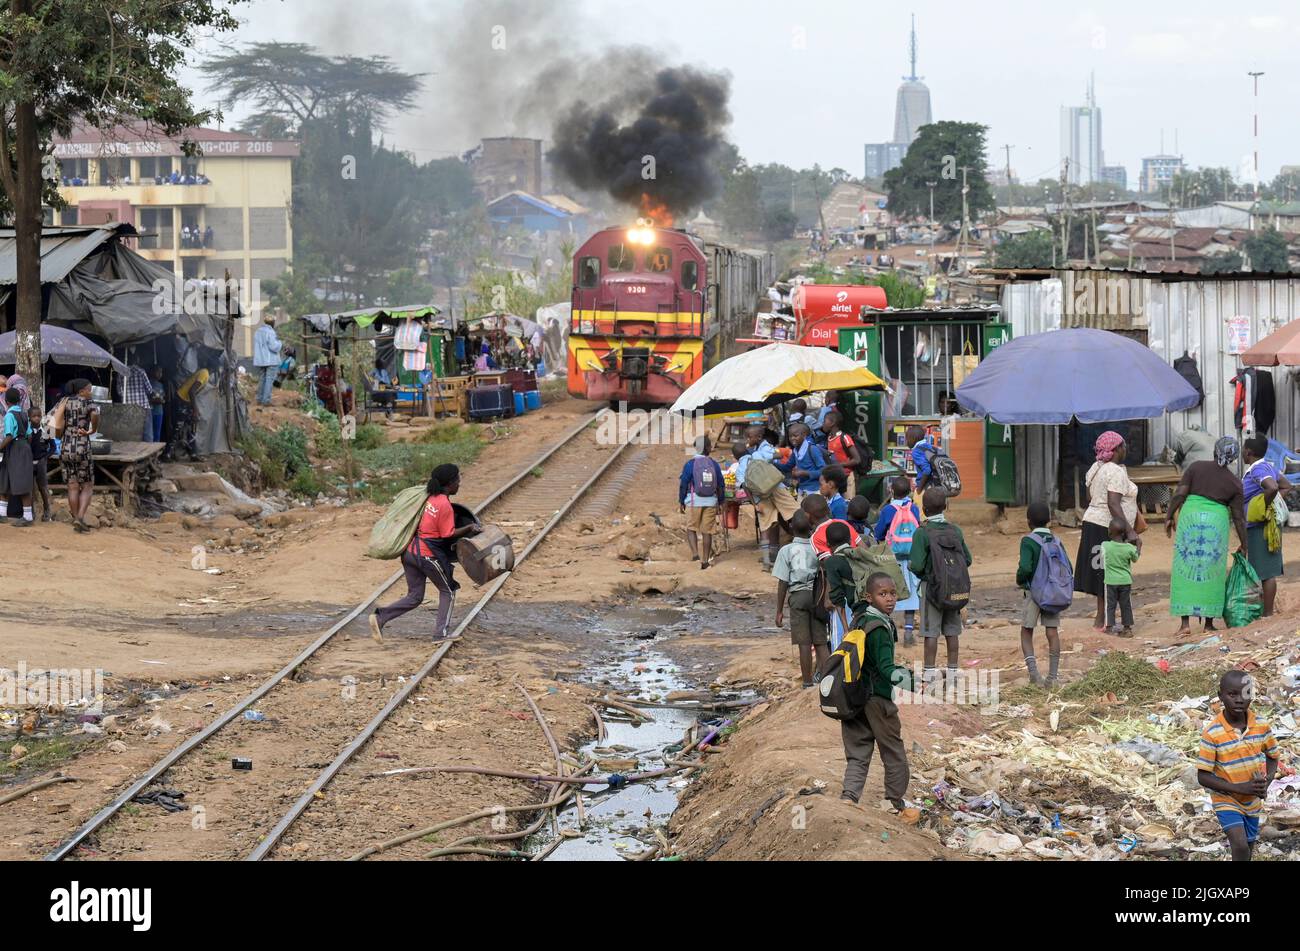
[(885, 674), (839, 579), (920, 561), (1030, 554)]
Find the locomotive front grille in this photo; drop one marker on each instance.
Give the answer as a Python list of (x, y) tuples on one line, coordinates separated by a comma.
[(636, 363)]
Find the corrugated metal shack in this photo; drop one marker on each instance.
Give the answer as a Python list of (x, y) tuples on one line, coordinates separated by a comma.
[(1172, 314)]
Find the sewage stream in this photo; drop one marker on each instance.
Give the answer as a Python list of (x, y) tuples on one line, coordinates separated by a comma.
[(633, 662)]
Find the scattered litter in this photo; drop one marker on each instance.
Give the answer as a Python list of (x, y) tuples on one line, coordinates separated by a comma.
[(254, 716), (169, 799), (1157, 754), (240, 762)]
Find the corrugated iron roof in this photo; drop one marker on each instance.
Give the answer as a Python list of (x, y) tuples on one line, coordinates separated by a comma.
[(62, 249)]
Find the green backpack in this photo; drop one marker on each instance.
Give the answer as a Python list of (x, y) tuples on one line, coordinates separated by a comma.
[(392, 533), (866, 562), (762, 478)]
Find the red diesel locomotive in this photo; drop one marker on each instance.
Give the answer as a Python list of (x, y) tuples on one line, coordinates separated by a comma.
[(654, 308)]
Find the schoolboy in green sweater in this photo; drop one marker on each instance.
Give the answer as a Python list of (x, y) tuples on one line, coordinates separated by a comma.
[(878, 723)]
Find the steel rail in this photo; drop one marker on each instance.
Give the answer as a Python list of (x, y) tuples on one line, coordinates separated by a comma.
[(170, 759), (302, 802)]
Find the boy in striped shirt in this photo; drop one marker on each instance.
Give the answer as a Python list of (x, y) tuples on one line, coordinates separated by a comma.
[(1238, 759)]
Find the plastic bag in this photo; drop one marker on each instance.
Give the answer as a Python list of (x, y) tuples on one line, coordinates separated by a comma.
[(393, 531), (1242, 605)]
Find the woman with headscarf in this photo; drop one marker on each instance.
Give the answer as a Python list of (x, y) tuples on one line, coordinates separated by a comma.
[(1206, 500), (1111, 495), (428, 556), (75, 421)]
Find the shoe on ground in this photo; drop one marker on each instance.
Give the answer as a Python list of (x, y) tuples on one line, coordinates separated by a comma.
[(848, 797), (21, 523), (1126, 632), (375, 634)]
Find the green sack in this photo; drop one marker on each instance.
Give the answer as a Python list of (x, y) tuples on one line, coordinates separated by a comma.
[(392, 533), (866, 562), (1242, 604)]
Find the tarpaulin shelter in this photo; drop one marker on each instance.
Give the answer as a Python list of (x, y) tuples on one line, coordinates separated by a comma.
[(93, 283)]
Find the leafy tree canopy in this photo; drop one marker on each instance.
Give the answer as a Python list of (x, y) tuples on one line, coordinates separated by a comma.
[(938, 155)]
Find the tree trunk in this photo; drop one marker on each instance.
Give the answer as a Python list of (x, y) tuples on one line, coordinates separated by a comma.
[(27, 228)]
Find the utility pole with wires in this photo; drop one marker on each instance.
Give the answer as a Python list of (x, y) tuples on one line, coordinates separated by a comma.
[(965, 220), (1010, 190), (1065, 215)]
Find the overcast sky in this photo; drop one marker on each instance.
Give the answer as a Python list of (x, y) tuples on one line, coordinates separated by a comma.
[(814, 80)]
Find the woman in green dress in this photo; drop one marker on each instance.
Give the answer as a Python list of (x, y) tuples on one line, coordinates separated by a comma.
[(1207, 500)]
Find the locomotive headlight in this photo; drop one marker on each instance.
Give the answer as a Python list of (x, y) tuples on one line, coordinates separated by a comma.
[(640, 236)]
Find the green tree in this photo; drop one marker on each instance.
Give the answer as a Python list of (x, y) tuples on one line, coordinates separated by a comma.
[(1194, 187), (742, 202), (1267, 251), (1027, 250), (293, 292), (901, 291), (1228, 263), (778, 223), (405, 287), (100, 63), (938, 155), (293, 84), (464, 238)]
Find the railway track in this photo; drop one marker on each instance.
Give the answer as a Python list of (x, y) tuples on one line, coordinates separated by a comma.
[(283, 748)]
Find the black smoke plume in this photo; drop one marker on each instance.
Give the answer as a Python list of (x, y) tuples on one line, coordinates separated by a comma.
[(677, 118)]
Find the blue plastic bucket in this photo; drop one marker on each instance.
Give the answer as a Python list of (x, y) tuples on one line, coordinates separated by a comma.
[(519, 404), (533, 399)]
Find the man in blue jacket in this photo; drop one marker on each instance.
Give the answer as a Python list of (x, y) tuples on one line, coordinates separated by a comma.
[(701, 488), (266, 357), (806, 460)]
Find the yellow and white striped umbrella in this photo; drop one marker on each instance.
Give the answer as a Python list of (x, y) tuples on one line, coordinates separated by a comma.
[(770, 375)]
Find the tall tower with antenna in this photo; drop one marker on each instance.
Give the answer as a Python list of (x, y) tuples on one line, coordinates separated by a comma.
[(913, 106)]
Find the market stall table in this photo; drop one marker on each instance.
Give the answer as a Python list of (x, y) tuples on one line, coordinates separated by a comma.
[(120, 468), (1156, 486)]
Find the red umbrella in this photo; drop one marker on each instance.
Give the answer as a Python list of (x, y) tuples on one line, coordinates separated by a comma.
[(1278, 349)]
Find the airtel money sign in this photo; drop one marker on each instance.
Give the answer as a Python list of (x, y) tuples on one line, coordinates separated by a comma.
[(822, 309)]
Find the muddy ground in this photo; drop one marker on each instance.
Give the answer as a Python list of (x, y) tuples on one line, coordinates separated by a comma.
[(179, 646)]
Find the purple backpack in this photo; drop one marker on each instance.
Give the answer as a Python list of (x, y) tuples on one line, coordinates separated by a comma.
[(704, 478)]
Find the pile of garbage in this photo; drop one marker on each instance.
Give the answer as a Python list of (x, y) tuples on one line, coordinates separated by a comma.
[(1123, 783)]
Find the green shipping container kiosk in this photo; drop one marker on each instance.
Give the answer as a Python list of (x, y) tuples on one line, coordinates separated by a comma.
[(1000, 444)]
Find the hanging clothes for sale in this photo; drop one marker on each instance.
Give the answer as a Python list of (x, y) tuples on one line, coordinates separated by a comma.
[(1253, 389), (1185, 366), (407, 335), (414, 360)]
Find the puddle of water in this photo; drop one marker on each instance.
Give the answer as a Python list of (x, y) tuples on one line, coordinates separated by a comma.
[(614, 816)]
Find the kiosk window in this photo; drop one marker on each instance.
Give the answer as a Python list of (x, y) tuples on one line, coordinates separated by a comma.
[(929, 360)]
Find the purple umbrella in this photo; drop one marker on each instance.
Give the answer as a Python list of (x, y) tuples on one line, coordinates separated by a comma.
[(1095, 376), (64, 346)]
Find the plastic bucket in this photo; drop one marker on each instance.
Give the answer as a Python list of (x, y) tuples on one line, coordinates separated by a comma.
[(533, 399), (519, 404), (732, 515)]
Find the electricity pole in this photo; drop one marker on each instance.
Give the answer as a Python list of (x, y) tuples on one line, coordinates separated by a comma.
[(1010, 191), (931, 185), (1256, 77), (965, 219)]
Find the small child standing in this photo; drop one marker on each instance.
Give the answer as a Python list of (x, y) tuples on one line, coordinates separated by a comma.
[(796, 574), (897, 525), (937, 620), (833, 485), (1237, 761), (840, 590), (878, 723), (842, 449), (1118, 557), (1031, 552)]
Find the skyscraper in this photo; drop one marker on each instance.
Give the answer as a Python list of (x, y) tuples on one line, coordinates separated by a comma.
[(912, 109), (1081, 139)]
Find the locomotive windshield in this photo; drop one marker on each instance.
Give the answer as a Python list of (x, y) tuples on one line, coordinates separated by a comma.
[(660, 260), (621, 258)]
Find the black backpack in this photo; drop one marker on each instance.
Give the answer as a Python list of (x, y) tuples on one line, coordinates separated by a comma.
[(1185, 366), (947, 582), (944, 471)]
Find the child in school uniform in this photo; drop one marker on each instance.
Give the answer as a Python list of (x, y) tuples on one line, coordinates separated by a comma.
[(833, 485), (840, 590), (909, 602), (878, 726), (1031, 615), (796, 574), (936, 621), (859, 517)]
